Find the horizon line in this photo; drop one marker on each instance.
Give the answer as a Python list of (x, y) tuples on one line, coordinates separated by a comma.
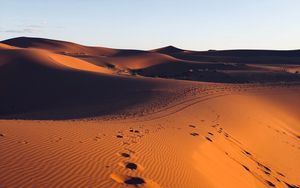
[(166, 46)]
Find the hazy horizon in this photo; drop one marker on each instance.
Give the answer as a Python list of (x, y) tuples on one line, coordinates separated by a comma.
[(194, 25)]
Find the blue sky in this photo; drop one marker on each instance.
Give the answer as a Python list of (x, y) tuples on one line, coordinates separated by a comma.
[(148, 24)]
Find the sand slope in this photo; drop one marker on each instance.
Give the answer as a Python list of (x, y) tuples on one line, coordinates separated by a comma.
[(195, 142)]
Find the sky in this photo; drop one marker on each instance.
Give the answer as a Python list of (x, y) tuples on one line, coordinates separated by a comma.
[(149, 24)]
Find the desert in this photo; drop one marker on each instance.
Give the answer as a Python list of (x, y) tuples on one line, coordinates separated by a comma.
[(80, 116)]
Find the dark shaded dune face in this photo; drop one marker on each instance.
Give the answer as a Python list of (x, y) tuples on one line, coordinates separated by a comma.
[(168, 50), (35, 88), (25, 42), (122, 53), (251, 53), (217, 72), (240, 56), (192, 71), (186, 66)]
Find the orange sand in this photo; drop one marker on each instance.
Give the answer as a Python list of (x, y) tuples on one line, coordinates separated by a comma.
[(69, 118)]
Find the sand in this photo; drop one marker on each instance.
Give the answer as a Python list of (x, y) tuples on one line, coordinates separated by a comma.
[(197, 143), (68, 122)]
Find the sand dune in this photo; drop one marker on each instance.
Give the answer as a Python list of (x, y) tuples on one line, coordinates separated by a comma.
[(78, 116), (57, 46), (43, 81), (105, 57), (236, 56), (257, 147), (171, 62), (168, 50)]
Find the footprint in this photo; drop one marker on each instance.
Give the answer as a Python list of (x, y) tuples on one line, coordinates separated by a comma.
[(131, 166), (119, 136), (97, 137), (246, 168), (270, 183), (130, 180), (279, 173), (291, 186), (267, 173), (246, 152), (194, 134), (133, 180), (126, 155), (220, 130), (57, 139), (216, 125), (264, 167), (208, 139)]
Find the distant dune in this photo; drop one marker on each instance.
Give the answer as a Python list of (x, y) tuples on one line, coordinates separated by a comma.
[(229, 66), (50, 75), (168, 50), (38, 80), (236, 56)]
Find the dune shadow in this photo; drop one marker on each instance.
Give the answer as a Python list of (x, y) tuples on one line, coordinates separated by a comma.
[(33, 91)]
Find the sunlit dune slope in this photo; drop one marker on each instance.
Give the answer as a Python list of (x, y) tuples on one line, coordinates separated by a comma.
[(5, 46), (212, 136), (63, 47), (104, 57)]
